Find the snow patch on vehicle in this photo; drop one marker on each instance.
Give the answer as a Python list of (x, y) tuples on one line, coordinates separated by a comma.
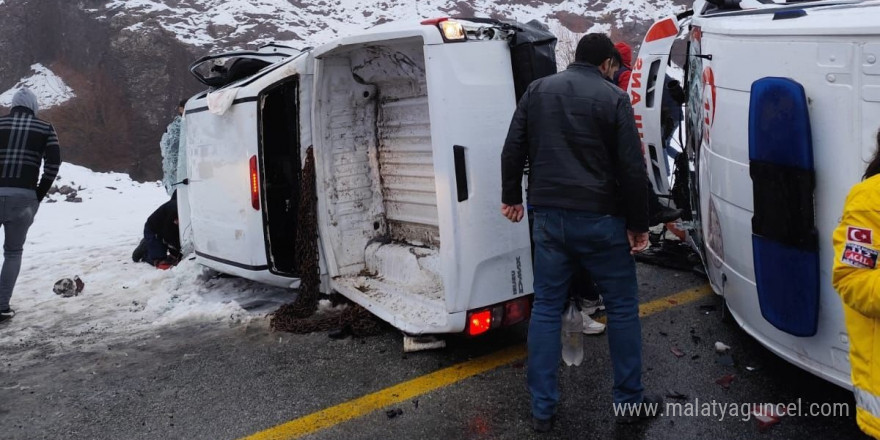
[(122, 300), (50, 89)]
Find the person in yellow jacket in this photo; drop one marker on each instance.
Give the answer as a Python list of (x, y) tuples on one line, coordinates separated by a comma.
[(857, 279)]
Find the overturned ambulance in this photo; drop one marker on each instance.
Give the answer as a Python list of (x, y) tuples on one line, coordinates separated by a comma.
[(406, 122), (782, 115)]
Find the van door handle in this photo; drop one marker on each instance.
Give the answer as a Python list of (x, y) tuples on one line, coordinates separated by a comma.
[(460, 172)]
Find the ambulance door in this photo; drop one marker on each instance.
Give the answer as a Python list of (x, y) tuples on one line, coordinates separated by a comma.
[(646, 88)]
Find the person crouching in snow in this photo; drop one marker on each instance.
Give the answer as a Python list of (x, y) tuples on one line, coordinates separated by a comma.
[(160, 246), (855, 276)]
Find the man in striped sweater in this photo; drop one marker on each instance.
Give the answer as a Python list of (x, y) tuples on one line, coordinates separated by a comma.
[(26, 143)]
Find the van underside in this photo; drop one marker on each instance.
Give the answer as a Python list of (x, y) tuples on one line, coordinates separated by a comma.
[(376, 172)]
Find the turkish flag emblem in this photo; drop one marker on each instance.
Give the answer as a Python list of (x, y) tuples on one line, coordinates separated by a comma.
[(859, 235)]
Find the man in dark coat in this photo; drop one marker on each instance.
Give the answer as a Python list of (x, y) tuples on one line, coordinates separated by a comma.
[(588, 191), (26, 143), (160, 246)]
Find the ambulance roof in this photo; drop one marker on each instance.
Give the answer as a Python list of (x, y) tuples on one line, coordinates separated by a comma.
[(816, 18)]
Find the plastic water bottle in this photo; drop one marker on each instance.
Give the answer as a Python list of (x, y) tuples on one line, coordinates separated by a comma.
[(572, 335)]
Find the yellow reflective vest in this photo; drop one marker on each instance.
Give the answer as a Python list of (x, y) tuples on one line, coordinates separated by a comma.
[(857, 279)]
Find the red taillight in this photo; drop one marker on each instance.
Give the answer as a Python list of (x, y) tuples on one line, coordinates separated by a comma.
[(255, 184), (434, 21), (479, 322), (517, 310)]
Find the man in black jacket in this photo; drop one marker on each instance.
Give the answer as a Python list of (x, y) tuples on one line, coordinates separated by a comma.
[(588, 190), (26, 143), (160, 246)]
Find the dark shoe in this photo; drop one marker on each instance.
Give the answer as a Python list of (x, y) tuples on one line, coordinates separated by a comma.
[(542, 425), (140, 251), (6, 315), (650, 408), (665, 215)]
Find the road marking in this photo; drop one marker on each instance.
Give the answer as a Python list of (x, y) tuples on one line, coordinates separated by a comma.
[(404, 391), (668, 302)]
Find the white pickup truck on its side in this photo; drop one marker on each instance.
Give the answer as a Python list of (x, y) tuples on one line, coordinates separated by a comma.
[(406, 122)]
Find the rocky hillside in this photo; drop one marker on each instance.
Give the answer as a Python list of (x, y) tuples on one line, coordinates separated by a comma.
[(110, 73)]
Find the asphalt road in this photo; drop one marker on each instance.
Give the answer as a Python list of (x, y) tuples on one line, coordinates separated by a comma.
[(201, 381)]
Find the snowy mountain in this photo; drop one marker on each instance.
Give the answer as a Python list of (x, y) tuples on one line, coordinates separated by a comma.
[(110, 73), (213, 23)]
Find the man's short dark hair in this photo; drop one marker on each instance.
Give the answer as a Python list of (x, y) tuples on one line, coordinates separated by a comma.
[(594, 49), (182, 103)]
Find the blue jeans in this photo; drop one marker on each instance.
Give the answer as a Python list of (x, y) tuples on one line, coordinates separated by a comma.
[(16, 216), (564, 240)]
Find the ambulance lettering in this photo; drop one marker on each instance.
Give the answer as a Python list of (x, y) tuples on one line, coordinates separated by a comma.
[(708, 101), (635, 82), (859, 256), (640, 127), (634, 85)]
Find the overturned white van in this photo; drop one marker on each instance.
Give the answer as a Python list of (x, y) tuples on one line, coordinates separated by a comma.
[(406, 122)]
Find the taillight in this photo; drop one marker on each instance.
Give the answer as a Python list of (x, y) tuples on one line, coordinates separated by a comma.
[(509, 313), (479, 322), (517, 310), (255, 184)]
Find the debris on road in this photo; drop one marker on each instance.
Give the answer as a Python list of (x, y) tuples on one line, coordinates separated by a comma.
[(725, 381), (767, 415), (394, 412), (721, 347), (340, 333), (750, 368), (676, 352), (726, 360), (67, 287), (80, 285), (672, 394)]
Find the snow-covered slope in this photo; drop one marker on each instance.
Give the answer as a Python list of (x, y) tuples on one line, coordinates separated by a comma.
[(49, 88), (228, 23), (122, 300)]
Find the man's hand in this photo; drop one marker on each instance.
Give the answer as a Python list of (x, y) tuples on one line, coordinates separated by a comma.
[(638, 241), (513, 213)]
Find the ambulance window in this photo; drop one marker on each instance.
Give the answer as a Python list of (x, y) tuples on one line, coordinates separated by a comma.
[(694, 105), (652, 83)]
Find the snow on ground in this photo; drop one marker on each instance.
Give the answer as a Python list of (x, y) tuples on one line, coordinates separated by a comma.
[(49, 88), (122, 300)]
